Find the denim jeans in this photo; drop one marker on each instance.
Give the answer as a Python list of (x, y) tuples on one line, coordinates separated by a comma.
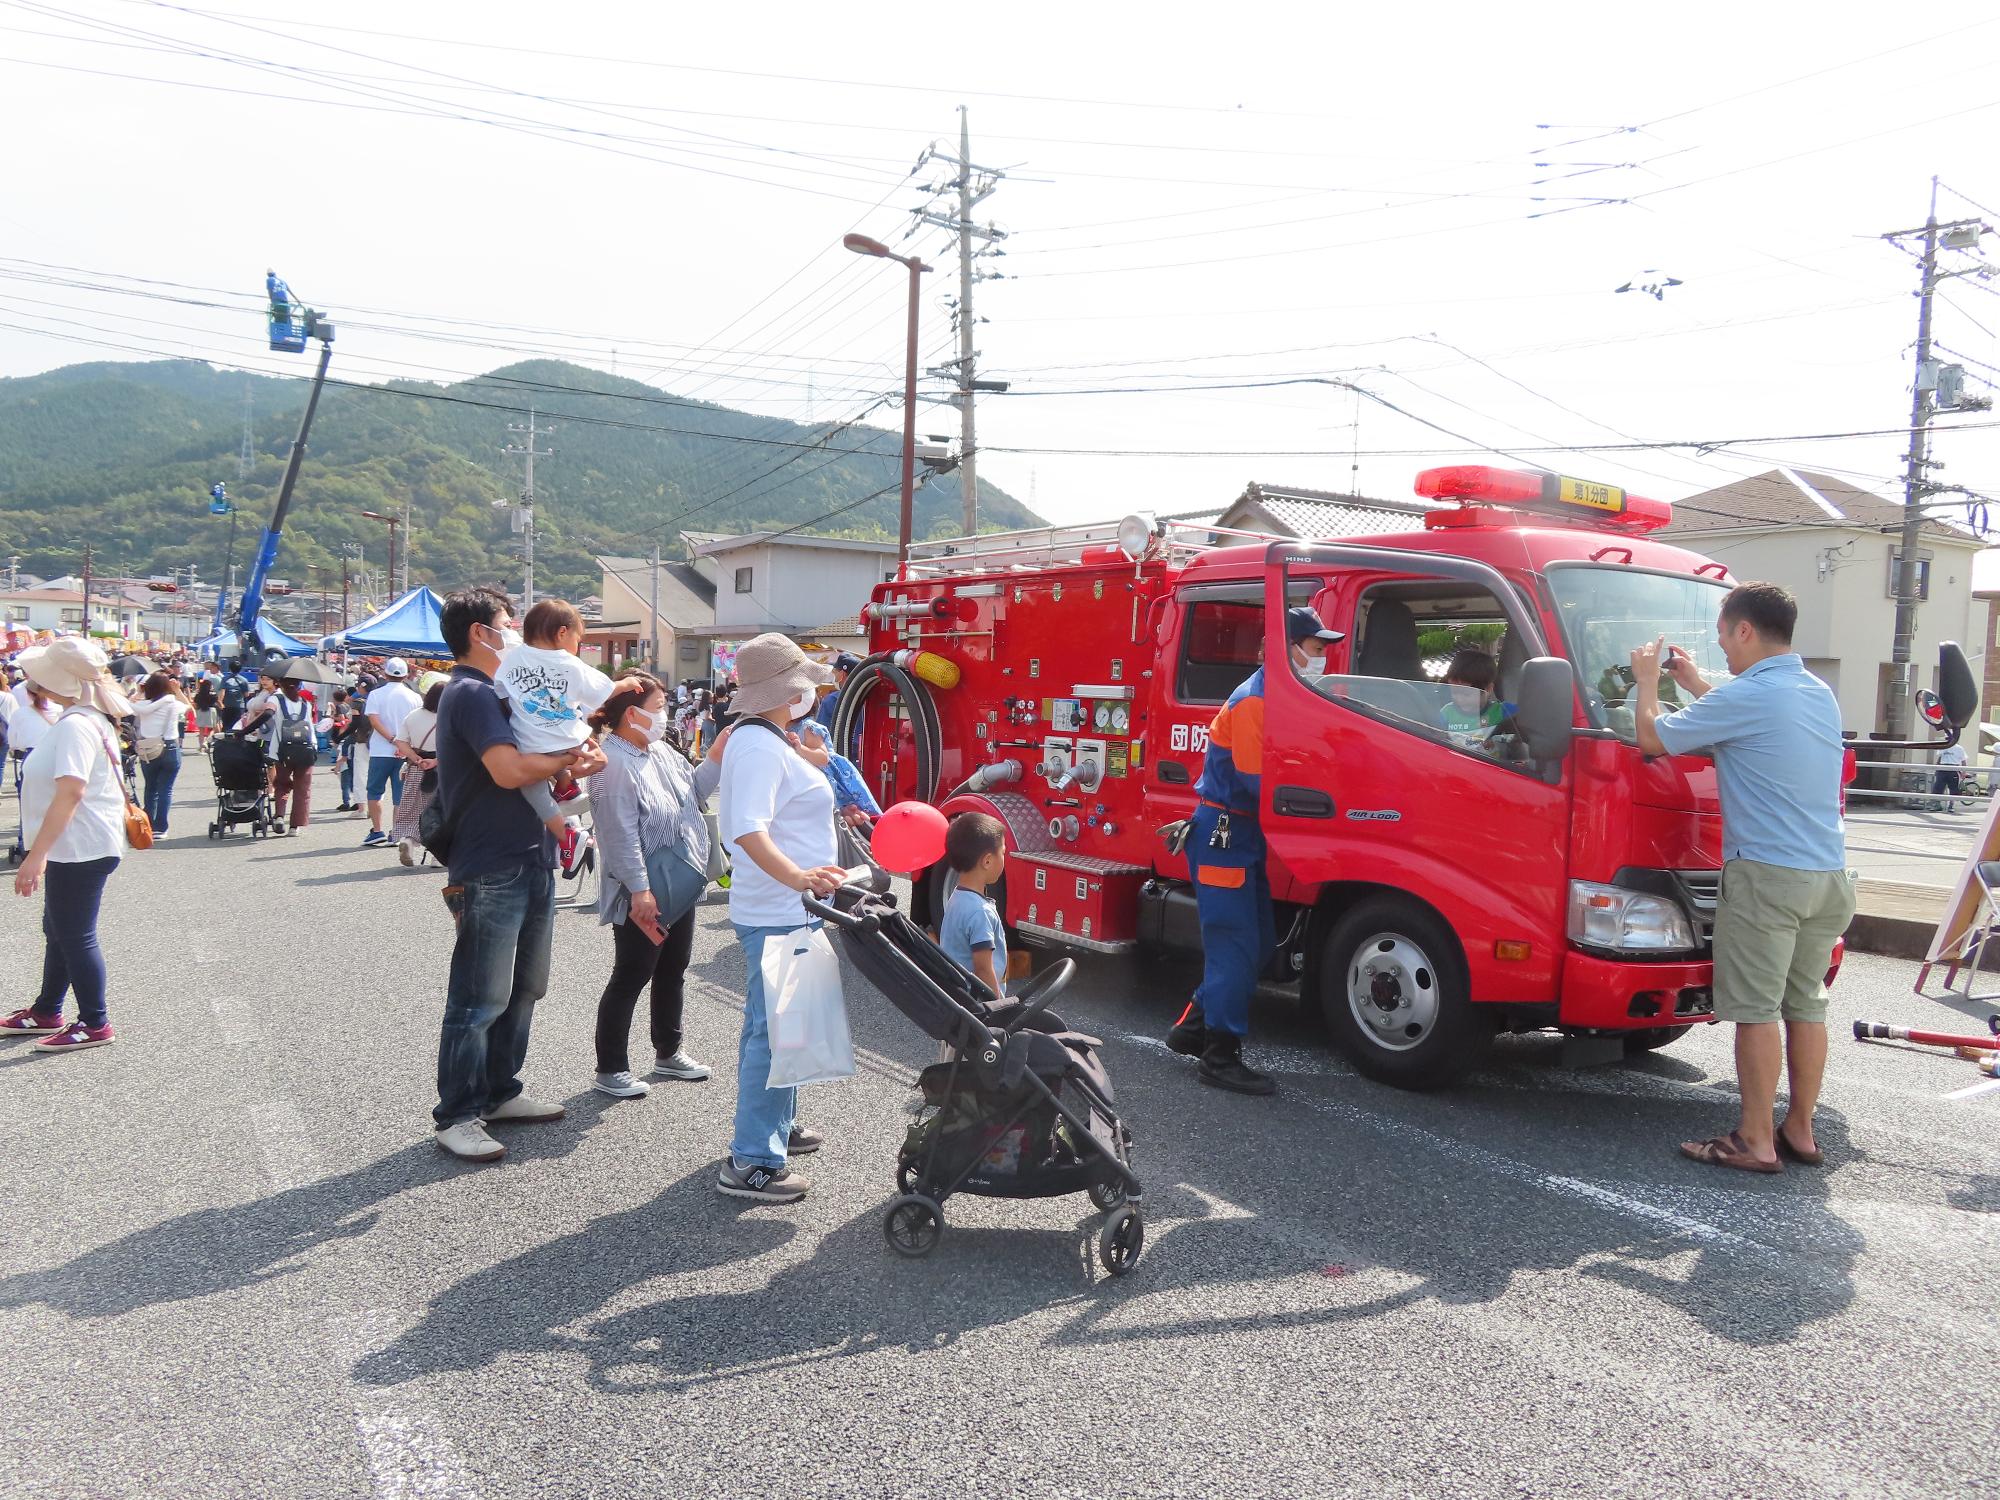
[(346, 764), (158, 776), (385, 774), (71, 958), (764, 1115), (499, 969)]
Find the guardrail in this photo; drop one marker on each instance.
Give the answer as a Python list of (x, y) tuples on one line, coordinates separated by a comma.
[(1914, 778)]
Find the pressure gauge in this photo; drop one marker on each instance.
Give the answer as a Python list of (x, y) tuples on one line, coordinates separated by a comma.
[(1121, 718), (1101, 717)]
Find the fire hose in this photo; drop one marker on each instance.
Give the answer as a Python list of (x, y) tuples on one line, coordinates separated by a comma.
[(880, 670)]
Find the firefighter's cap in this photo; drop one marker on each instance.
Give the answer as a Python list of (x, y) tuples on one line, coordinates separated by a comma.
[(1301, 624)]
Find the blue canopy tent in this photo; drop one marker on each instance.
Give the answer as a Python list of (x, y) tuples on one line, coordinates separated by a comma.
[(409, 627), (269, 636)]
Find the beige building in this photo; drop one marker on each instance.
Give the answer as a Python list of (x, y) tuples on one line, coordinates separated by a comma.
[(1834, 545)]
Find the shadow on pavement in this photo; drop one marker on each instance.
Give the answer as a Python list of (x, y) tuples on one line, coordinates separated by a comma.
[(217, 1250)]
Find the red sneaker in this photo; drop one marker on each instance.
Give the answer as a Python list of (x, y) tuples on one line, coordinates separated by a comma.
[(571, 846), (30, 1022), (76, 1037), (569, 791)]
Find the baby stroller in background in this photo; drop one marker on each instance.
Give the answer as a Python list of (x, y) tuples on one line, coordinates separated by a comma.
[(1022, 1109), (242, 785)]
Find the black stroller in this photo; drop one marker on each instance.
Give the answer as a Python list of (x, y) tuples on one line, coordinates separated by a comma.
[(242, 785), (1023, 1107)]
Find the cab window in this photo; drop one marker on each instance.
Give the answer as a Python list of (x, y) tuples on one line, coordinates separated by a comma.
[(1438, 659), (1222, 638)]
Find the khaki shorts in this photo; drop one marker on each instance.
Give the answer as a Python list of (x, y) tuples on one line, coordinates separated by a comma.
[(1774, 933)]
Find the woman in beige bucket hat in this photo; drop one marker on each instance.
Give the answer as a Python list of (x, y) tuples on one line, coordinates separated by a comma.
[(73, 822)]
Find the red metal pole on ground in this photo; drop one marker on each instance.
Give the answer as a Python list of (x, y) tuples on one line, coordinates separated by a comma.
[(1865, 1030)]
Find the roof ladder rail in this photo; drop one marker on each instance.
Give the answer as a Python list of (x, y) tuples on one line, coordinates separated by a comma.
[(1043, 546)]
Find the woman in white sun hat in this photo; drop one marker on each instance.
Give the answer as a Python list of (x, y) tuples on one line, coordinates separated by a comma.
[(73, 822), (777, 814)]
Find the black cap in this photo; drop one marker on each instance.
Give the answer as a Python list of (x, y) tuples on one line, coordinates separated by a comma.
[(1301, 624)]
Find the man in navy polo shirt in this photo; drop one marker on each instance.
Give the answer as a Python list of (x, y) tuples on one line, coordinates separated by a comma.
[(501, 887)]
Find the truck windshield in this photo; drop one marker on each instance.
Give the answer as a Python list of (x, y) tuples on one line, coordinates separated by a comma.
[(1607, 611)]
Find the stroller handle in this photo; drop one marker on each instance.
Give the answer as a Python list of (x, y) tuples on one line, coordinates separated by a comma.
[(862, 876)]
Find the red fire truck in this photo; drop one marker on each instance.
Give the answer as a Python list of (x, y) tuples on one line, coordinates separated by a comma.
[(1438, 875)]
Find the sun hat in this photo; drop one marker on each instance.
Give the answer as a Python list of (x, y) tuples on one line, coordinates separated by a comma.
[(395, 666), (73, 668), (771, 671)]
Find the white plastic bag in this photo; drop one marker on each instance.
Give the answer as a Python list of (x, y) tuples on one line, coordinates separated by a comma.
[(805, 1011)]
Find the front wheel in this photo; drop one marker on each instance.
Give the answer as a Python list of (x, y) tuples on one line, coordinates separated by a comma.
[(1638, 1043), (1393, 987)]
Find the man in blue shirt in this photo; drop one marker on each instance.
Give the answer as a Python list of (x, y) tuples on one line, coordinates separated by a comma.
[(501, 887), (1774, 730)]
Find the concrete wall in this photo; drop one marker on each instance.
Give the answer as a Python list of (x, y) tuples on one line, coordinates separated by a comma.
[(792, 586), (1847, 616)]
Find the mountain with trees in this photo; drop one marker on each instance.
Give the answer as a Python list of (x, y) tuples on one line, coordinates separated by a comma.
[(123, 455)]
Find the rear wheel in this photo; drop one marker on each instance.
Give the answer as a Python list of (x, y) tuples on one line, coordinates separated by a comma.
[(913, 1226), (1393, 988)]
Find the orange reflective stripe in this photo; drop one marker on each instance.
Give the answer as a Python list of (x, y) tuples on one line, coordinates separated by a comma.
[(1247, 749), (1222, 877)]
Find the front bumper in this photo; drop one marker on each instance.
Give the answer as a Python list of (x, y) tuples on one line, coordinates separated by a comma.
[(1624, 995)]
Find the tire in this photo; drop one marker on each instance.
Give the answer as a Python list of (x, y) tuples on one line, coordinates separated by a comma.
[(913, 1226), (1639, 1043), (1122, 1241), (1108, 1197), (906, 1178), (1393, 989), (215, 830)]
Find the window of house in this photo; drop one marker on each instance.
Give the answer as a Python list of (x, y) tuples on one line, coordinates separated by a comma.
[(72, 617), (1923, 573), (743, 580)]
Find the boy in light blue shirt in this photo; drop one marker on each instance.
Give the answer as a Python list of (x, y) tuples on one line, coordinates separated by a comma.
[(971, 933)]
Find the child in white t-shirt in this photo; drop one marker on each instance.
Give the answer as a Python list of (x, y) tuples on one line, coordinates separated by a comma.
[(552, 693)]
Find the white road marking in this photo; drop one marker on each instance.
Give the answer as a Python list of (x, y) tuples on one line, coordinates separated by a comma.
[(1973, 1091)]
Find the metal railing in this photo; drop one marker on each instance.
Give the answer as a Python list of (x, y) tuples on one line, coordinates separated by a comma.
[(1041, 546), (1912, 782)]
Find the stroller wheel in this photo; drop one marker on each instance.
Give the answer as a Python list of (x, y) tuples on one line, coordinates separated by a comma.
[(913, 1225), (215, 830), (1123, 1241), (906, 1178), (1108, 1196)]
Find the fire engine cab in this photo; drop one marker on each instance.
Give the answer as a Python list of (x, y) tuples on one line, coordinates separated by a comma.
[(1441, 869)]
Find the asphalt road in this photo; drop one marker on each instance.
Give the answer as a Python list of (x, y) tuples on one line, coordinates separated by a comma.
[(1913, 845), (235, 1264)]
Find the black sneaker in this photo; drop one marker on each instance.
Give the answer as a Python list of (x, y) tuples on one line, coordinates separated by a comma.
[(761, 1183), (1222, 1067), (1189, 1035), (803, 1142)]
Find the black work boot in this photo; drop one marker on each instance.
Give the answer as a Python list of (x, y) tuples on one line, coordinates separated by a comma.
[(1222, 1067), (1189, 1036)]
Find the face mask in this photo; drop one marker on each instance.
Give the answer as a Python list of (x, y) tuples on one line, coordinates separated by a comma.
[(802, 705), (510, 639), (1465, 699), (1312, 663), (653, 726)]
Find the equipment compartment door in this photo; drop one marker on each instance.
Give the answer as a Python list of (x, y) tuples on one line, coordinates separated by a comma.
[(1382, 773)]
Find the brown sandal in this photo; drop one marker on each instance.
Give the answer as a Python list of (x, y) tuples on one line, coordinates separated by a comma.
[(1728, 1151), (1803, 1158)]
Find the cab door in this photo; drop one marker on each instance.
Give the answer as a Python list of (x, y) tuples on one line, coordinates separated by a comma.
[(1378, 774)]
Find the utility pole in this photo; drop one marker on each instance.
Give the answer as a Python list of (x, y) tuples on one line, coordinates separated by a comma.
[(245, 458), (524, 513), (86, 590), (1959, 234), (973, 184), (653, 617)]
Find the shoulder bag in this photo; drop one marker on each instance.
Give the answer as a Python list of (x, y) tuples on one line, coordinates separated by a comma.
[(138, 827)]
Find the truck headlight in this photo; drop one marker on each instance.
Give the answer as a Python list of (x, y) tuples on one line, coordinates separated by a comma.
[(1608, 916)]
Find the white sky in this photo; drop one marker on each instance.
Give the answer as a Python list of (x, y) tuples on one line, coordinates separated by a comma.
[(1198, 195)]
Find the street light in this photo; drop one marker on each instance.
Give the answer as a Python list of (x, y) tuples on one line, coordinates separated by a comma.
[(392, 522), (861, 244)]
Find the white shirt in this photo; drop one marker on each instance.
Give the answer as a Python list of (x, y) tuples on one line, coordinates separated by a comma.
[(76, 745), (553, 694), (390, 704), (27, 729), (768, 787), (160, 718), (419, 732)]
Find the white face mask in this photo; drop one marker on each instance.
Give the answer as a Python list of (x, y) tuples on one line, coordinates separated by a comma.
[(802, 705), (1312, 663), (653, 726), (510, 639)]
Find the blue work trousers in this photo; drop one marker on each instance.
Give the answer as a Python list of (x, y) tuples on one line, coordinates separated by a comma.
[(1238, 931)]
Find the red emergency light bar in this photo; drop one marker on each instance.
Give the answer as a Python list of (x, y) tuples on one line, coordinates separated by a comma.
[(1525, 489)]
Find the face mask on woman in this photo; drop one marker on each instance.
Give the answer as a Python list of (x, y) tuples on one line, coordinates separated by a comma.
[(652, 726), (802, 705)]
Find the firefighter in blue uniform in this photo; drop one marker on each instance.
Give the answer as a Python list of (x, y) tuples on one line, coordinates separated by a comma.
[(1225, 853)]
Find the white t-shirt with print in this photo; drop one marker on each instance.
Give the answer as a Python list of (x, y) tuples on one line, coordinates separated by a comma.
[(391, 703), (552, 693), (768, 787), (76, 745)]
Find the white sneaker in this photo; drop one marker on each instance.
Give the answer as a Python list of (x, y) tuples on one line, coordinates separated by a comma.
[(468, 1141), (680, 1067), (521, 1110), (622, 1086), (406, 851)]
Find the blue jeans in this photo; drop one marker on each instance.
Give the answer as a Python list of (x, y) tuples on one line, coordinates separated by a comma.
[(159, 775), (71, 958), (384, 771), (346, 764), (499, 969), (763, 1115)]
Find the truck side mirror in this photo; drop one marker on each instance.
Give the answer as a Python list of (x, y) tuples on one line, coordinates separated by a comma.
[(1545, 707), (1958, 690)]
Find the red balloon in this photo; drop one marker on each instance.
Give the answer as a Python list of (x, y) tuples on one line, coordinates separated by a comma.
[(908, 837)]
